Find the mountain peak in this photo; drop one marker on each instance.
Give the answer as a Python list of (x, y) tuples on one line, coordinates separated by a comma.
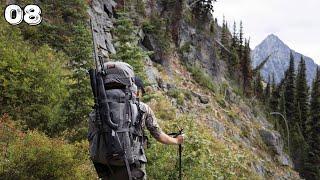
[(279, 59), (273, 40), (272, 36)]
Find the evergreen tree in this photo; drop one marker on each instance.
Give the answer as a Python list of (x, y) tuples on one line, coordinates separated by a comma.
[(312, 164), (233, 64), (234, 37), (246, 69), (302, 96), (258, 87), (275, 95), (240, 43), (297, 143), (267, 92), (224, 41), (202, 8), (127, 45), (289, 92), (78, 104)]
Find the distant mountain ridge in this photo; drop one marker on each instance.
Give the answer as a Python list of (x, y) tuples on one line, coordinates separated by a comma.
[(279, 59)]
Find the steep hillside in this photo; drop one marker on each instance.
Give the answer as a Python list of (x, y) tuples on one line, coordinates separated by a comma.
[(45, 92), (279, 59), (229, 135)]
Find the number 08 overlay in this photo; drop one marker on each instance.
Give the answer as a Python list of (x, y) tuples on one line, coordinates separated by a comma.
[(31, 15)]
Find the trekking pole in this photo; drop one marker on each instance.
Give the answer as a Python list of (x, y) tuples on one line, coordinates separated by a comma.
[(180, 152)]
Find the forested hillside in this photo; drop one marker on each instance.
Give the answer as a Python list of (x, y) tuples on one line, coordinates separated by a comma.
[(198, 76)]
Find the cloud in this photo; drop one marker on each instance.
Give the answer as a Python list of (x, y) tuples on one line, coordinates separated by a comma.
[(295, 22)]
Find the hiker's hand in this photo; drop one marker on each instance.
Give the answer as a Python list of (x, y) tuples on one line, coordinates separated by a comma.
[(180, 139)]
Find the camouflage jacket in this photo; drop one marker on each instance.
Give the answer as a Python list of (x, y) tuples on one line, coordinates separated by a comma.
[(149, 121)]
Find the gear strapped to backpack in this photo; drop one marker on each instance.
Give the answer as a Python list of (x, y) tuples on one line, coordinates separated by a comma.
[(115, 131)]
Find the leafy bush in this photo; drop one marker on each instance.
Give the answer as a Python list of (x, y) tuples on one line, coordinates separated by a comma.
[(201, 77), (35, 156), (65, 29), (177, 94), (156, 26), (163, 108), (203, 156), (32, 83)]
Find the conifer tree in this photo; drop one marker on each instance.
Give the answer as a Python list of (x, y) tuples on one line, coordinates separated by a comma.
[(302, 96), (312, 164), (224, 41), (289, 92), (258, 87), (240, 47), (233, 64), (267, 92), (275, 96), (297, 143), (202, 8), (234, 37), (246, 69)]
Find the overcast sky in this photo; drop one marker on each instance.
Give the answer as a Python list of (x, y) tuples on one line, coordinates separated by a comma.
[(297, 23)]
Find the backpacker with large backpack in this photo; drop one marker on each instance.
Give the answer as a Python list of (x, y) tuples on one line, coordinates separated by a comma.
[(115, 131)]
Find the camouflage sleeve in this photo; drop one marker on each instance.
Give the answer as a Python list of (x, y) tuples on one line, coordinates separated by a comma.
[(151, 122)]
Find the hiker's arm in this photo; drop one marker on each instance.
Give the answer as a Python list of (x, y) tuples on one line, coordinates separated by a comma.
[(157, 133), (166, 139)]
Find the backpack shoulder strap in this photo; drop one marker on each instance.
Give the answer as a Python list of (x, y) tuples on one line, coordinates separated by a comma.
[(141, 111)]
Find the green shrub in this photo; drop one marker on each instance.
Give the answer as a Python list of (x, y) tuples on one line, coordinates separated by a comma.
[(201, 77), (203, 156), (177, 94), (163, 109), (35, 156), (32, 81), (185, 48), (156, 26)]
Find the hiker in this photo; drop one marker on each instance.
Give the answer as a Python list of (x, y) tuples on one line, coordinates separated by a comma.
[(145, 118)]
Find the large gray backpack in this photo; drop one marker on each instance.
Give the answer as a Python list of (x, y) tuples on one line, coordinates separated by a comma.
[(117, 146)]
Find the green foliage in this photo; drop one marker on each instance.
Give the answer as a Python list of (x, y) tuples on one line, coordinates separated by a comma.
[(185, 48), (224, 41), (290, 92), (164, 109), (312, 166), (203, 156), (32, 83), (267, 92), (35, 156), (246, 70), (156, 26), (59, 20), (64, 28), (180, 95), (201, 77), (258, 87), (275, 96), (78, 104), (127, 47), (202, 8), (177, 94), (233, 64), (141, 7), (302, 96)]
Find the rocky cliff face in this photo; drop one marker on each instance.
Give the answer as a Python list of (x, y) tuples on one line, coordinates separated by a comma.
[(279, 59), (234, 121)]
